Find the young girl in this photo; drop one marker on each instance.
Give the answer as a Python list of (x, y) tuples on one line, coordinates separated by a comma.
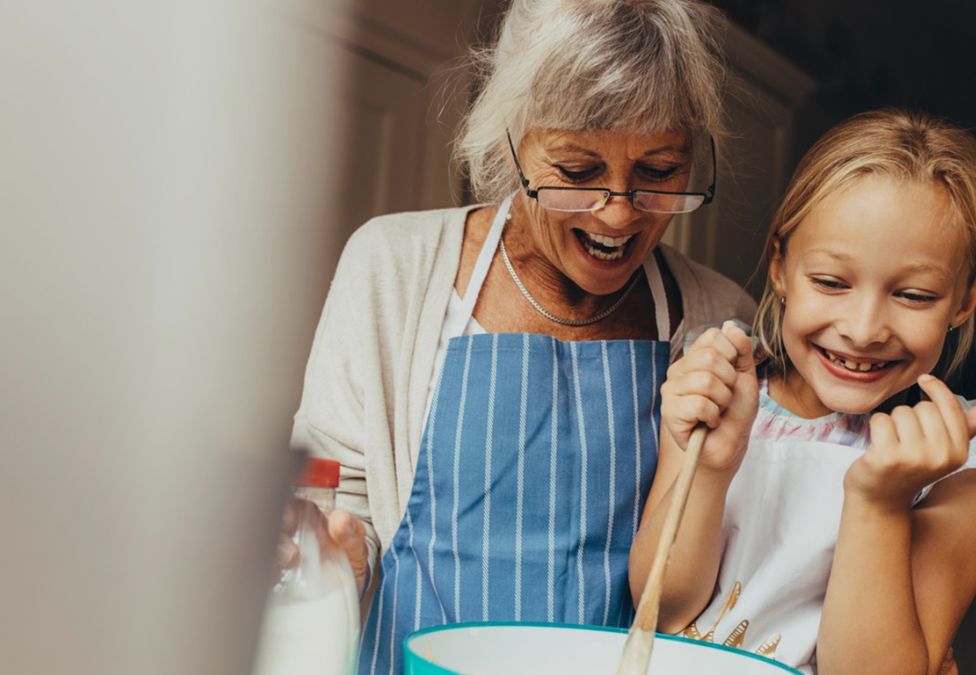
[(810, 534)]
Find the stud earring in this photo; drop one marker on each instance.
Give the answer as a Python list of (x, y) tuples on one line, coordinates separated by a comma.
[(950, 328), (782, 300)]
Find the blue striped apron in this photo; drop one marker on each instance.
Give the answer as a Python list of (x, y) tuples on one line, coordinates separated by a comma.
[(535, 461)]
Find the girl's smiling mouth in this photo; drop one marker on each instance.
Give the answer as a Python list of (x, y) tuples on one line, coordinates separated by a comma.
[(846, 366)]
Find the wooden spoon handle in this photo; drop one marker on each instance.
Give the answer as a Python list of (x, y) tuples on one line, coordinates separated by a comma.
[(640, 640)]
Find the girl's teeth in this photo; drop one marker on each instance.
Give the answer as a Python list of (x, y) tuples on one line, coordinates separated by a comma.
[(854, 365)]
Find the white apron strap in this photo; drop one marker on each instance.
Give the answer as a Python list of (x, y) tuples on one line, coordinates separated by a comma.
[(480, 272), (653, 273)]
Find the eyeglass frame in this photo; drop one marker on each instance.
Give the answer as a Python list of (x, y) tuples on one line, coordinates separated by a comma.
[(708, 195)]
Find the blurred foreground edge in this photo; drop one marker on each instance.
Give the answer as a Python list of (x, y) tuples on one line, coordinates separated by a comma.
[(164, 253)]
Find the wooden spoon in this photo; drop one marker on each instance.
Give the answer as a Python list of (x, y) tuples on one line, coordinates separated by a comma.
[(640, 640)]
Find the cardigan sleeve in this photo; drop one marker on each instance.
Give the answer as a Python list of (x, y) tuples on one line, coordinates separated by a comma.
[(330, 421), (707, 297)]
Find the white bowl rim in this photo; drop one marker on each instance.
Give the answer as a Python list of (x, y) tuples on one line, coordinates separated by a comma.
[(606, 629)]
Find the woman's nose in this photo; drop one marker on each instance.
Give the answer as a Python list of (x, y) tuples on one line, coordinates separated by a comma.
[(618, 212)]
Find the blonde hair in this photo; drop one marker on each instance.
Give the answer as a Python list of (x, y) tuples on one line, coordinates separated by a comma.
[(629, 65), (911, 146)]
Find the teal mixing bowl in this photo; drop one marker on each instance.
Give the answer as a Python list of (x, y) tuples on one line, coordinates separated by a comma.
[(541, 649)]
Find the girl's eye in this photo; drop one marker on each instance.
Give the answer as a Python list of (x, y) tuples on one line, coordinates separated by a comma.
[(828, 283), (917, 298), (579, 175)]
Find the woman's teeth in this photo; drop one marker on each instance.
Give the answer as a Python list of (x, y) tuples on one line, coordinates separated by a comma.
[(603, 248), (856, 366)]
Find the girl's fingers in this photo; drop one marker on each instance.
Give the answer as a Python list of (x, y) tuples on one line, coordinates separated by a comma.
[(706, 360), (696, 409), (907, 427), (934, 431), (715, 339), (712, 361), (702, 383), (742, 343), (971, 421), (882, 431), (953, 416)]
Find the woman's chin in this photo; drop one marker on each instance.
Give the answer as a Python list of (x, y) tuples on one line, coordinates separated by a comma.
[(600, 276), (603, 284)]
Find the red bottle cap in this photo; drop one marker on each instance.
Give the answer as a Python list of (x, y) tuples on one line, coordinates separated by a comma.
[(319, 473)]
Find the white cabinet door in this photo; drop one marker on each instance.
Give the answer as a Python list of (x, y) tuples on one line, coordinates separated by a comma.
[(402, 95), (382, 148)]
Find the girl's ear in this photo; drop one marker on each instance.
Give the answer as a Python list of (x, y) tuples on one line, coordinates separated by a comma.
[(776, 263), (967, 307)]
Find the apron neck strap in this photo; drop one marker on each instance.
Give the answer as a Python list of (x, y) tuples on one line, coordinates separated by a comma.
[(485, 257), (652, 270)]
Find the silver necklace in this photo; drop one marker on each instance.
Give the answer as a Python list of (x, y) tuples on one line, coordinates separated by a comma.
[(558, 319)]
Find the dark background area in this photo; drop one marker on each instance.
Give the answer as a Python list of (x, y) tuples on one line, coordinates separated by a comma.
[(870, 54)]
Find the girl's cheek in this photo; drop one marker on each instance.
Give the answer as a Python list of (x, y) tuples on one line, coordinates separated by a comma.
[(928, 345)]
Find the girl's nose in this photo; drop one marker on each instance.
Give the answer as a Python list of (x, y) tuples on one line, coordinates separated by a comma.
[(864, 323)]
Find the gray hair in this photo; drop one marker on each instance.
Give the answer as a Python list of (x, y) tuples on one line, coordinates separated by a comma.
[(635, 66)]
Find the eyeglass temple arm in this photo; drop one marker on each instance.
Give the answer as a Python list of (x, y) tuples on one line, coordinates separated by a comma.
[(710, 191), (533, 194)]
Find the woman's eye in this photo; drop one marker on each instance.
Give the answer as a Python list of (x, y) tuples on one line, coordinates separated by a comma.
[(656, 174), (578, 175)]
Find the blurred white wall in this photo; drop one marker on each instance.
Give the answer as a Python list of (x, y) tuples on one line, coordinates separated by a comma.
[(165, 247)]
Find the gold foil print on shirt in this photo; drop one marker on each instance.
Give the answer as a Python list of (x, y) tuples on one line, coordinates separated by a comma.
[(729, 605), (738, 635), (768, 648)]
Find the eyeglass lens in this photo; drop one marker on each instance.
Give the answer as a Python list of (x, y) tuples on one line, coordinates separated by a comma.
[(583, 199)]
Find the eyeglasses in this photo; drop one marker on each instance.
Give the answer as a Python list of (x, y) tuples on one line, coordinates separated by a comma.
[(583, 199)]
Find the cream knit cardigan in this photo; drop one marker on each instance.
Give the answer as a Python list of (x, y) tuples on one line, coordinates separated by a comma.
[(373, 354)]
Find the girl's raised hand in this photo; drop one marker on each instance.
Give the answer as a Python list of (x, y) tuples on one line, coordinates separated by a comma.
[(714, 383), (912, 447)]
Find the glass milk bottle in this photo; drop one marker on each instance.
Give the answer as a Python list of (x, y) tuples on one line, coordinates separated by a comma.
[(311, 622)]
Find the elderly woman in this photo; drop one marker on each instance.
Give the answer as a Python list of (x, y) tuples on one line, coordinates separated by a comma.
[(488, 376)]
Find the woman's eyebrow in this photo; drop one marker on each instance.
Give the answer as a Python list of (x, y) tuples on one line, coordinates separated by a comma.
[(572, 147), (676, 149)]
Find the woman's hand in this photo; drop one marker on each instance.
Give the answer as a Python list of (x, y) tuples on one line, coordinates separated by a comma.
[(714, 383), (912, 447), (340, 530)]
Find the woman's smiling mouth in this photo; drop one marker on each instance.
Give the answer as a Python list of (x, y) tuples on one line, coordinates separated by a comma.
[(603, 247)]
